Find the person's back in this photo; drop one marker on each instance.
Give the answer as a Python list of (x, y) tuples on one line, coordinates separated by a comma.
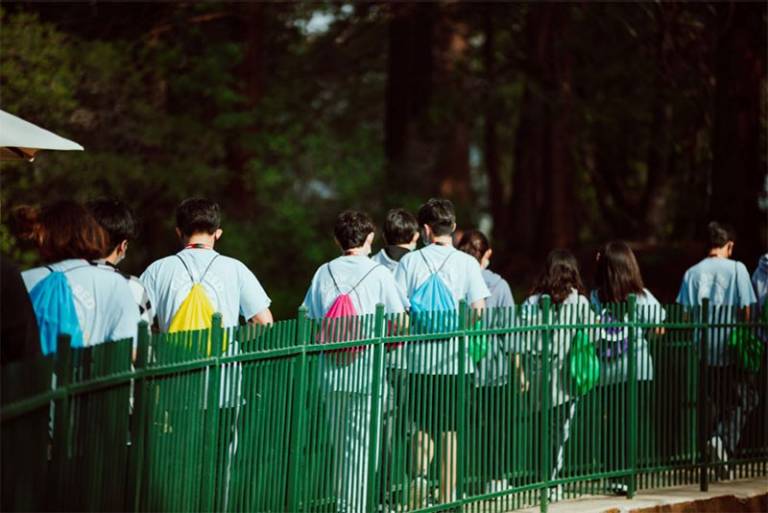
[(231, 287), (724, 282), (760, 280), (347, 375), (70, 240)]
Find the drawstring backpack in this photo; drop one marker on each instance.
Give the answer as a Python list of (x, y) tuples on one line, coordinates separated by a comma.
[(196, 311), (341, 323), (54, 307), (749, 349), (431, 307)]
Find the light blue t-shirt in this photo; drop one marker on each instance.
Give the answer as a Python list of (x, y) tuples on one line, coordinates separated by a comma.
[(103, 300), (760, 279), (493, 369), (616, 370), (377, 287), (383, 259), (463, 277), (726, 283), (231, 287)]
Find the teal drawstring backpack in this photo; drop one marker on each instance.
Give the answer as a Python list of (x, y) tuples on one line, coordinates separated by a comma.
[(54, 308), (432, 305)]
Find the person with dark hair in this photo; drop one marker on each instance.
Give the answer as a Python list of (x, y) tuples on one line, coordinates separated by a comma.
[(70, 239), (561, 281), (231, 287), (358, 282), (617, 277), (725, 282), (433, 366), (401, 232), (117, 220), (492, 372)]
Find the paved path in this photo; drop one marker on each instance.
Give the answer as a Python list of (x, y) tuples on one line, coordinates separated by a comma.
[(732, 496)]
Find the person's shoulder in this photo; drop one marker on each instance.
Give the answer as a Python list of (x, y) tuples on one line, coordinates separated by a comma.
[(162, 262), (741, 268)]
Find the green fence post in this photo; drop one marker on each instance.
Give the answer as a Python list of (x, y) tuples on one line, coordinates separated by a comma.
[(632, 417), (702, 410), (461, 412), (374, 448), (138, 423), (211, 435), (298, 425), (61, 425), (545, 453)]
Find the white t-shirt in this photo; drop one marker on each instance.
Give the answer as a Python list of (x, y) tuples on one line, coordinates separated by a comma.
[(377, 287), (464, 278), (231, 287), (103, 300)]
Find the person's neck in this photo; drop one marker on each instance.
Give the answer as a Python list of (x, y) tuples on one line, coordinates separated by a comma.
[(718, 253), (201, 239), (113, 258), (360, 251), (443, 240)]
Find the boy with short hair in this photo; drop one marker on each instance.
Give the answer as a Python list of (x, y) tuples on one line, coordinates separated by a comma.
[(401, 232), (229, 284), (434, 366), (724, 282), (117, 220), (348, 375)]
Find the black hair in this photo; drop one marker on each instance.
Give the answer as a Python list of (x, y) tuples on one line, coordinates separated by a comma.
[(198, 215), (116, 218), (351, 228), (439, 215), (618, 274), (475, 243), (559, 277), (719, 234), (400, 226)]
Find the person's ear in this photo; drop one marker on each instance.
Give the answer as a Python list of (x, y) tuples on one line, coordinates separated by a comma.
[(178, 233), (597, 256), (487, 255), (217, 234), (415, 238), (369, 239), (338, 243), (729, 248), (123, 247)]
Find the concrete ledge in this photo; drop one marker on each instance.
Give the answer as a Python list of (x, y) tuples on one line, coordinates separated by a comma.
[(742, 496)]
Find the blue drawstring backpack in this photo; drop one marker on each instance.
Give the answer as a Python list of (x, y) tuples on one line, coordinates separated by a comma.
[(54, 308), (432, 302)]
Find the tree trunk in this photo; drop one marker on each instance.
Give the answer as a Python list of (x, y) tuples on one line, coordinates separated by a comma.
[(543, 202), (737, 168), (490, 138)]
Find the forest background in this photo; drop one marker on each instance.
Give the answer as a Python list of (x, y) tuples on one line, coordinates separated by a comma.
[(549, 125)]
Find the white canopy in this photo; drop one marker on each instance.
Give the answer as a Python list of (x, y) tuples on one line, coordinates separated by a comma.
[(21, 139)]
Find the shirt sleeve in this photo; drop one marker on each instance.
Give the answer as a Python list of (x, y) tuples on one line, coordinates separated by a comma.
[(746, 295), (394, 298), (147, 279), (684, 296), (401, 277), (253, 298), (313, 300), (127, 318), (476, 287), (650, 309), (506, 299)]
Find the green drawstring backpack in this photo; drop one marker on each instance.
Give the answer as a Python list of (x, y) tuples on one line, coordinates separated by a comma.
[(583, 364), (749, 349)]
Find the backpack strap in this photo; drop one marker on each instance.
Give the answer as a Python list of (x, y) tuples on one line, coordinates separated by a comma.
[(191, 277), (445, 261), (335, 283), (187, 268), (429, 266), (365, 276)]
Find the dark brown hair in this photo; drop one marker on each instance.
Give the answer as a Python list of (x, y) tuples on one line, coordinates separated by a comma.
[(618, 274), (69, 230), (439, 215), (351, 229), (475, 243), (560, 276)]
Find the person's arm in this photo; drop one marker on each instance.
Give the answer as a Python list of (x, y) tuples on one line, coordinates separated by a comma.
[(263, 318)]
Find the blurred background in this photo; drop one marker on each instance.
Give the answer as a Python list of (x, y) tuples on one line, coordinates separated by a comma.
[(549, 125)]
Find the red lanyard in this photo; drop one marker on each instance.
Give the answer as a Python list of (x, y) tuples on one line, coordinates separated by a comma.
[(197, 245)]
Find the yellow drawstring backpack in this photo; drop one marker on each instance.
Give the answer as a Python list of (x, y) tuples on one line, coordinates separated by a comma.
[(196, 311)]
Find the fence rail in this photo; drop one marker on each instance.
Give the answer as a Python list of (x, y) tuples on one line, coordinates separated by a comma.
[(490, 411)]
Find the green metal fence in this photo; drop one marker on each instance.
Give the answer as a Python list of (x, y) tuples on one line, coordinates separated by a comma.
[(452, 410)]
